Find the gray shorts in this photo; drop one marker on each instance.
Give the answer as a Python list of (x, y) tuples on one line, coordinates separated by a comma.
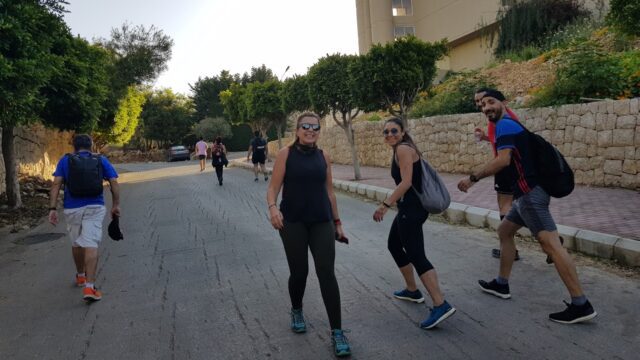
[(532, 210)]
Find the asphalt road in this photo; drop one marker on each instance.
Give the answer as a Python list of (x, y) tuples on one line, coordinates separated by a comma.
[(202, 275)]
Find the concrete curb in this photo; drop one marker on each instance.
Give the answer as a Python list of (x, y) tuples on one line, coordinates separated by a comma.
[(606, 246)]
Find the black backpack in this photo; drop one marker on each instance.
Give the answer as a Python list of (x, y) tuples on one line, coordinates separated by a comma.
[(85, 175), (554, 173)]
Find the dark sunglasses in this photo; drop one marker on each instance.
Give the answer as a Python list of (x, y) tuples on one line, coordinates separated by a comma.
[(307, 126), (393, 131)]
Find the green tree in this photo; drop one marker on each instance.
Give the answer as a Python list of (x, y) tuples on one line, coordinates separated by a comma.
[(75, 94), (210, 128), (264, 107), (232, 100), (139, 55), (29, 30), (206, 92), (390, 76), (295, 95), (625, 15), (331, 90), (258, 74), (166, 117), (126, 117)]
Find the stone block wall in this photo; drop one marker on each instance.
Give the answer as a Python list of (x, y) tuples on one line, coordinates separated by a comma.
[(600, 140), (38, 150)]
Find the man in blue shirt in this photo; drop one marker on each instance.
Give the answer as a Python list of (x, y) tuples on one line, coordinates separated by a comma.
[(84, 215), (530, 208)]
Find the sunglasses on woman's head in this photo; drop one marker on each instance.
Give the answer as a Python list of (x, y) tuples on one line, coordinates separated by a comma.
[(307, 126), (393, 131)]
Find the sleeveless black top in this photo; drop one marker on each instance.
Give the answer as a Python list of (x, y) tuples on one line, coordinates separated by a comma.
[(409, 200), (304, 192)]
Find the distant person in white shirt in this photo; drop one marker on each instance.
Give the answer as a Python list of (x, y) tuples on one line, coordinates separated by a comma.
[(201, 151)]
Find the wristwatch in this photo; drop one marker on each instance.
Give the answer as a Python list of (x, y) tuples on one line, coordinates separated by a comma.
[(473, 178)]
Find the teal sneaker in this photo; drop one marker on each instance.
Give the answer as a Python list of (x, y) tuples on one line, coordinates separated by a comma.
[(340, 343), (298, 324), (438, 314)]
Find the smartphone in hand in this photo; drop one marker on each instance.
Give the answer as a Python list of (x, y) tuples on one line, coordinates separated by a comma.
[(342, 239)]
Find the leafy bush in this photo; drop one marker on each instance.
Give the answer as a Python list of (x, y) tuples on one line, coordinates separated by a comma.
[(527, 23), (210, 128), (584, 71), (630, 62), (625, 15), (524, 54), (578, 31), (453, 96)]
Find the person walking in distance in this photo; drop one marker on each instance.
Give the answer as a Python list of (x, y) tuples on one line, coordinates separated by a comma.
[(308, 220), (258, 153), (406, 240), (82, 174), (530, 208), (201, 152), (502, 180), (218, 157)]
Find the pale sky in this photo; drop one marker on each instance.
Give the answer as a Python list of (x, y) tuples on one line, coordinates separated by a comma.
[(235, 35)]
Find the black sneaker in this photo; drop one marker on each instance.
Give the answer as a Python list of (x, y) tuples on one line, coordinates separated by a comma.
[(574, 313), (256, 179), (496, 254), (266, 178), (549, 259), (493, 288)]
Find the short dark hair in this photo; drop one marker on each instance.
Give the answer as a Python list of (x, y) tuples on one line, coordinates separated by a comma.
[(82, 142), (256, 133), (483, 89), (494, 94)]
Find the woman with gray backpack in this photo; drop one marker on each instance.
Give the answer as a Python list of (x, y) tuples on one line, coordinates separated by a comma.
[(406, 239)]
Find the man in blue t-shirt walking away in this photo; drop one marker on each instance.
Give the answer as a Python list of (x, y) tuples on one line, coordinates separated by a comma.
[(82, 174), (258, 152), (530, 208)]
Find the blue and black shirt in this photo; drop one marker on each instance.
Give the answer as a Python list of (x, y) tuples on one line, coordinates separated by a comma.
[(510, 134)]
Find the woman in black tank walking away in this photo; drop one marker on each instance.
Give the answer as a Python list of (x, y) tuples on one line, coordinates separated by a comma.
[(218, 157), (406, 240), (308, 220)]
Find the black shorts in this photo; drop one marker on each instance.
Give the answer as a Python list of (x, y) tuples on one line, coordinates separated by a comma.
[(202, 157), (503, 182), (258, 158)]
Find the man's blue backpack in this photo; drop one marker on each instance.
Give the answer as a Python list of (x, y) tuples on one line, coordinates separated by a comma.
[(85, 175)]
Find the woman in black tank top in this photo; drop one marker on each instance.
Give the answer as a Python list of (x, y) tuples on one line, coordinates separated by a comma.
[(406, 240), (308, 220)]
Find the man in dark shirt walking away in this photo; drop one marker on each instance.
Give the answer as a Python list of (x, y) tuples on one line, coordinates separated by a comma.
[(258, 152), (82, 174), (530, 208)]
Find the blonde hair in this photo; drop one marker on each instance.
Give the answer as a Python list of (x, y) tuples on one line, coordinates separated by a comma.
[(299, 119)]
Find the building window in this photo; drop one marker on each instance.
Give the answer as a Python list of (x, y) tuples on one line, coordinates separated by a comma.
[(402, 8), (400, 31)]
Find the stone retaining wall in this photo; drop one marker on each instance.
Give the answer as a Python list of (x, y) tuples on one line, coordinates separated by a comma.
[(38, 150), (600, 140)]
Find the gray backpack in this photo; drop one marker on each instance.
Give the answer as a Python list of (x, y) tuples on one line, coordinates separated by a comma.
[(435, 196)]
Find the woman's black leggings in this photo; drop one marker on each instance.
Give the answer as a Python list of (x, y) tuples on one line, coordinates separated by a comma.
[(298, 238), (406, 240), (219, 171)]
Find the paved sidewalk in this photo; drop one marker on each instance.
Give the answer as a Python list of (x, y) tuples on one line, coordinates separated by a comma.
[(605, 210)]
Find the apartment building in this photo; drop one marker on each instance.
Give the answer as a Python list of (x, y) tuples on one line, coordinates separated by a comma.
[(464, 23)]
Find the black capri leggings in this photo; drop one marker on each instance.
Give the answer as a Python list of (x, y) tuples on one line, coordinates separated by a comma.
[(298, 238), (406, 240)]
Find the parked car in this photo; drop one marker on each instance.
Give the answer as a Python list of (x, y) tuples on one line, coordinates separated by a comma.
[(178, 152)]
